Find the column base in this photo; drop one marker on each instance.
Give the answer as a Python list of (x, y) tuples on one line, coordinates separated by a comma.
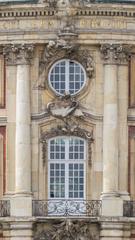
[(110, 195), (112, 204), (21, 206), (115, 231), (18, 230)]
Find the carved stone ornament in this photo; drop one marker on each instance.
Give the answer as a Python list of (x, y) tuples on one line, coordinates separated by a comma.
[(62, 130), (115, 53), (67, 3), (69, 230), (60, 49), (18, 54), (64, 107)]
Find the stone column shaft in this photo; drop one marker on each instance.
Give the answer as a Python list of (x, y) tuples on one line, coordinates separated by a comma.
[(113, 55), (20, 56), (23, 145), (110, 130)]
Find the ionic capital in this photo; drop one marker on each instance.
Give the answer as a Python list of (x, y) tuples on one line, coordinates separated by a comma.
[(115, 53), (19, 54)]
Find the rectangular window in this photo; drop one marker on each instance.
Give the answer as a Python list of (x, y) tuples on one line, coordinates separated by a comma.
[(66, 168)]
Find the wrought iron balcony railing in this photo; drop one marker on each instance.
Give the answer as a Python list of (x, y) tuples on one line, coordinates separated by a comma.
[(4, 208), (51, 208), (129, 209)]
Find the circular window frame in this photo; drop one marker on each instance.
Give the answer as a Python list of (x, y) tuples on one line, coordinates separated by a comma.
[(67, 59)]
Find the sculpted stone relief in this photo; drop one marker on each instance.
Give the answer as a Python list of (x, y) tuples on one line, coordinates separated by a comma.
[(68, 230)]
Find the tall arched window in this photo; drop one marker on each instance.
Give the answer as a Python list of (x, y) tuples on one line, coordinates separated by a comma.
[(66, 176)]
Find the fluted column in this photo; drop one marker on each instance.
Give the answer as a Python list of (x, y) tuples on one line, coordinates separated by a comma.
[(23, 141), (112, 56)]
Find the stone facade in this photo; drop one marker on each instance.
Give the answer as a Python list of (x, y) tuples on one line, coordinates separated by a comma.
[(97, 36)]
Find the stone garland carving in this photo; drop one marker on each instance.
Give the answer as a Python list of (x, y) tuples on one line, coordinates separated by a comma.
[(59, 49), (18, 53), (115, 53), (69, 230)]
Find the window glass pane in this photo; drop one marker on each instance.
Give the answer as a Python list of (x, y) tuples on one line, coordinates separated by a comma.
[(66, 166), (57, 180), (57, 149), (67, 76), (76, 149), (76, 181)]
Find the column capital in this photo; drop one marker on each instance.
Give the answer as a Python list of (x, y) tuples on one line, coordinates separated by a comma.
[(18, 54), (115, 53)]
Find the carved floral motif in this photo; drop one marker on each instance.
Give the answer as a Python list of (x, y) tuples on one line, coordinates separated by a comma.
[(115, 53)]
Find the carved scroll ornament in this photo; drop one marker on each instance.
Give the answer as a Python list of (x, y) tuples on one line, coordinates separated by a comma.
[(64, 107), (60, 49)]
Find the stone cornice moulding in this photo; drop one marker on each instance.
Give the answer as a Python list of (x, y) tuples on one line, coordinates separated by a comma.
[(42, 10)]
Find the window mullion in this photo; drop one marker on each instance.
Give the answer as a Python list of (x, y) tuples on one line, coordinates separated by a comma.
[(66, 169), (67, 77)]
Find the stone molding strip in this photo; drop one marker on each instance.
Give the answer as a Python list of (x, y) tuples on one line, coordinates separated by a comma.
[(105, 13), (20, 13), (3, 120)]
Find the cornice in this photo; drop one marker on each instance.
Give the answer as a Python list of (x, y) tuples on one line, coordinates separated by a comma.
[(40, 10)]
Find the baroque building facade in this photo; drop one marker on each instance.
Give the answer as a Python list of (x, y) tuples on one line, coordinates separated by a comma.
[(67, 119)]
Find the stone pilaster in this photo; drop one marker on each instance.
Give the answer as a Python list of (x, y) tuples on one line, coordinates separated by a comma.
[(110, 122), (21, 55), (113, 56)]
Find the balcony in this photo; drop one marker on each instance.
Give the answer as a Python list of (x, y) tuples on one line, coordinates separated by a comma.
[(4, 208), (66, 208)]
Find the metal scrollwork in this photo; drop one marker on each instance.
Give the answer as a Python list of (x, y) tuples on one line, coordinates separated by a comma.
[(66, 208)]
